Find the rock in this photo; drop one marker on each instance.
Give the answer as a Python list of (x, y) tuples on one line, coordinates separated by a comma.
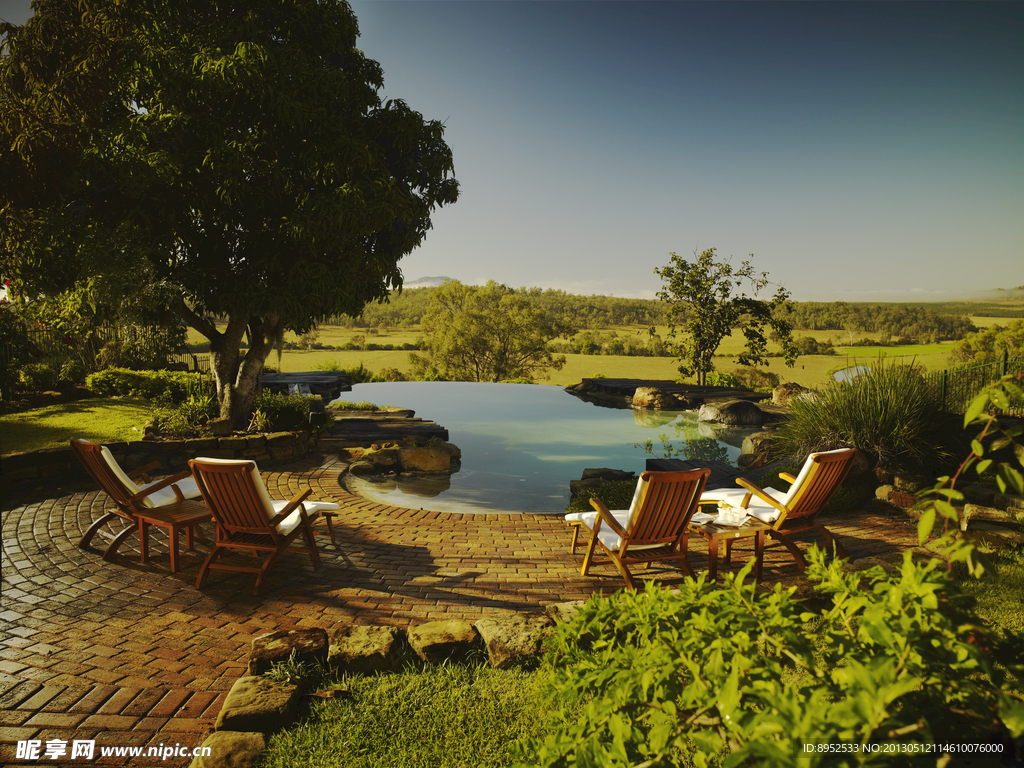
[(425, 459), (513, 639), (974, 513), (362, 467), (784, 393), (231, 749), (564, 612), (308, 645), (384, 458), (759, 442), (366, 649), (883, 491), (652, 397), (578, 486), (219, 427), (861, 464), (258, 704), (885, 476), (1008, 501), (453, 450), (438, 641), (425, 485), (995, 535), (735, 412), (652, 419), (913, 483), (750, 461), (979, 494)]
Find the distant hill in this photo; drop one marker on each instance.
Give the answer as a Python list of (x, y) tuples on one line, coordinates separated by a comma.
[(425, 282)]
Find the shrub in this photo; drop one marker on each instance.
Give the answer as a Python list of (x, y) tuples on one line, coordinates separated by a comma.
[(351, 405), (172, 386), (38, 376), (390, 374), (698, 673), (283, 412), (885, 412), (190, 418), (359, 374), (617, 494), (756, 378), (720, 379), (328, 364)]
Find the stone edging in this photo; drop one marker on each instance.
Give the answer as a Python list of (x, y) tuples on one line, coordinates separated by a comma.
[(173, 455)]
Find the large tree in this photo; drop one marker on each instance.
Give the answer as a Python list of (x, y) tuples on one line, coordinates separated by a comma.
[(705, 307), (237, 151), (486, 333)]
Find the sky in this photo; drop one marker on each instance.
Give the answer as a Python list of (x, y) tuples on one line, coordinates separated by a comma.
[(859, 150)]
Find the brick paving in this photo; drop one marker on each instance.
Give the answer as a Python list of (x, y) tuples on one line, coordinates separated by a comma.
[(130, 654)]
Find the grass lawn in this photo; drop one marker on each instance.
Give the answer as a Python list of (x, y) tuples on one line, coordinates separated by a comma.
[(449, 716), (104, 420)]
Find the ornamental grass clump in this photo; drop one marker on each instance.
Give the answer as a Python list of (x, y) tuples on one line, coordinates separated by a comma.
[(886, 412)]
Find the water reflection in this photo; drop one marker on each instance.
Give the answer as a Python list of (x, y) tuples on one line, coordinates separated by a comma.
[(522, 444)]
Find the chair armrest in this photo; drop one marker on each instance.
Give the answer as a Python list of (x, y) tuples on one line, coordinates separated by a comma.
[(143, 472), (755, 491), (603, 515), (295, 501), (162, 484), (787, 477)]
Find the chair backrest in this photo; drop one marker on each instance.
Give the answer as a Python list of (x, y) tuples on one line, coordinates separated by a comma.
[(235, 494), (663, 504), (818, 481), (104, 469)]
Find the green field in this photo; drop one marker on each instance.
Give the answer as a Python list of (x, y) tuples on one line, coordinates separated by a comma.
[(809, 371)]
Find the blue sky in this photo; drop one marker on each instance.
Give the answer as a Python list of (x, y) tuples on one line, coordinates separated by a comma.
[(860, 150)]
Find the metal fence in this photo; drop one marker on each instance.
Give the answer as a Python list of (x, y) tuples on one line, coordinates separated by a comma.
[(956, 388)]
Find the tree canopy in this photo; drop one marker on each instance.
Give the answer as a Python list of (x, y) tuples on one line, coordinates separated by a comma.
[(237, 152), (702, 304), (485, 333), (989, 344)]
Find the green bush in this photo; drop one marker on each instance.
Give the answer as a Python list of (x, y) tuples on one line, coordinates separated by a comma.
[(283, 412), (189, 419), (617, 494), (38, 376), (720, 379), (172, 386), (885, 412), (352, 405), (705, 672), (389, 374)]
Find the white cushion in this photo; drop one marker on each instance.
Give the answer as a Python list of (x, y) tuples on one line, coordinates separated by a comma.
[(606, 535), (164, 496)]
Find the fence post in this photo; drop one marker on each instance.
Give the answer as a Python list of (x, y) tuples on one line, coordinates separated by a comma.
[(942, 391), (1006, 359)]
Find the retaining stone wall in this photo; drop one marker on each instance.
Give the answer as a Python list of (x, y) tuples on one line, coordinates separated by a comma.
[(173, 455)]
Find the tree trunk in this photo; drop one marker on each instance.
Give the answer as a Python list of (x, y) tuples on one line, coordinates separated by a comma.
[(237, 376)]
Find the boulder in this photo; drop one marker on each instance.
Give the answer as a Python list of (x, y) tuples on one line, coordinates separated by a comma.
[(759, 442), (513, 639), (219, 427), (974, 513), (453, 450), (607, 475), (384, 458), (913, 483), (785, 393), (231, 749), (308, 645), (564, 612), (861, 464), (424, 459), (980, 494), (750, 461), (1007, 501), (258, 704), (652, 397), (734, 412), (439, 641), (362, 467), (366, 649)]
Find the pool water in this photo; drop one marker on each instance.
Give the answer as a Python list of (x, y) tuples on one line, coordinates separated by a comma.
[(522, 443)]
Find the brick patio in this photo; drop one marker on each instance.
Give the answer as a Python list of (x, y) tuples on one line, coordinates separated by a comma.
[(134, 655)]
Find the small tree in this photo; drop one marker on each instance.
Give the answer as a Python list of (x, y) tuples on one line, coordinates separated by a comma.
[(490, 333), (701, 303)]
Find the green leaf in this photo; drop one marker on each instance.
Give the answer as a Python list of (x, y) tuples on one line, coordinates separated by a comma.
[(983, 466), (946, 509), (1012, 714), (975, 408), (978, 448), (925, 524)]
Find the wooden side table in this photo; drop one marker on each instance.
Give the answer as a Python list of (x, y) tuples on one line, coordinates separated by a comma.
[(717, 534), (181, 514)]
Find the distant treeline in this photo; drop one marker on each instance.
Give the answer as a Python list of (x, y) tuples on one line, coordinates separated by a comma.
[(895, 322)]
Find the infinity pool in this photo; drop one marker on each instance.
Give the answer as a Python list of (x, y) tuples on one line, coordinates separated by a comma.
[(522, 443)]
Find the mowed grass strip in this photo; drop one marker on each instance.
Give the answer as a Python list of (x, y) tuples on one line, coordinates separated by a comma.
[(448, 716), (100, 420)]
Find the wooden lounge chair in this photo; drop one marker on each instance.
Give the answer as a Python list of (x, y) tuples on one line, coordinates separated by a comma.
[(248, 520), (169, 503), (795, 510), (654, 528)]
